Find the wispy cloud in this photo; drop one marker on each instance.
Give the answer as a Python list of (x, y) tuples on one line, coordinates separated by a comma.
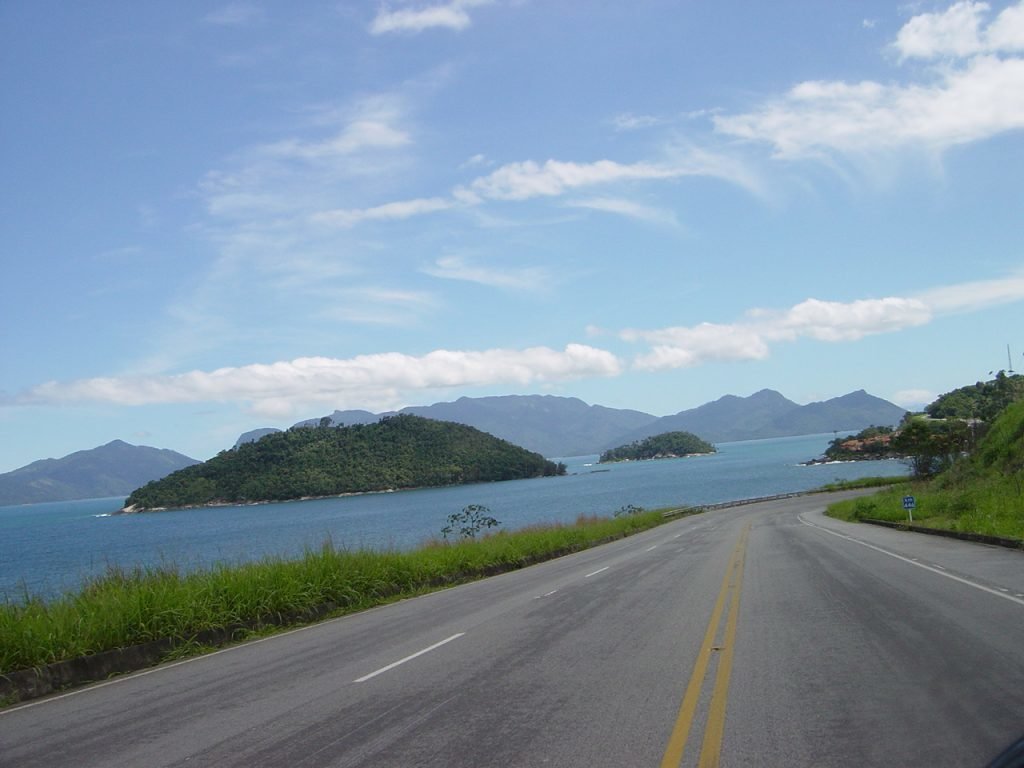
[(520, 279), (628, 208), (627, 121), (403, 209), (236, 15), (452, 15), (528, 179), (368, 305)]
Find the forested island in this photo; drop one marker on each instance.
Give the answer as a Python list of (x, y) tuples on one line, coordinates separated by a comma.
[(668, 445), (398, 452), (868, 444)]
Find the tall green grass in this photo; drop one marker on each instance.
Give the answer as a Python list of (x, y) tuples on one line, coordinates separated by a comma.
[(131, 607), (993, 507), (981, 493)]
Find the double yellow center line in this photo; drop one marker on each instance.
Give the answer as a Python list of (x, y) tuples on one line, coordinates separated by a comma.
[(714, 727)]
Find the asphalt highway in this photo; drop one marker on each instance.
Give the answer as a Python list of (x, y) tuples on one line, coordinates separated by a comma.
[(765, 634)]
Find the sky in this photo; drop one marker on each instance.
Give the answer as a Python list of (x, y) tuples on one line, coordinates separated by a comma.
[(221, 216)]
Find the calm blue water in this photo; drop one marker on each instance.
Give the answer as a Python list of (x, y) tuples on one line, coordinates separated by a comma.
[(49, 548)]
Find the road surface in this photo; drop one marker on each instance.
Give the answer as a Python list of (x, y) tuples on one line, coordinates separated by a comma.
[(765, 634)]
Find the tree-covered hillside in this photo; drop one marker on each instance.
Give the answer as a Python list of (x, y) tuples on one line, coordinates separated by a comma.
[(663, 446), (984, 400), (397, 452)]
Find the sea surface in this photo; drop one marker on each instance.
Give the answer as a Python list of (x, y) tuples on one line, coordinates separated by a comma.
[(47, 549)]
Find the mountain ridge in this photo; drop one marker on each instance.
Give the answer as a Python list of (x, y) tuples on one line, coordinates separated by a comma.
[(567, 426), (114, 469)]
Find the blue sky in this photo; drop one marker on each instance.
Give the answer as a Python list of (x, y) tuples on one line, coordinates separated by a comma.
[(219, 216)]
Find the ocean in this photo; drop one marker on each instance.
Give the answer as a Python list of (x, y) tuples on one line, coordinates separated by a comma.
[(47, 549)]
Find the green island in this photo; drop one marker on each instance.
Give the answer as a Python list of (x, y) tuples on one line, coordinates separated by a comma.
[(870, 443), (668, 445), (398, 452), (967, 476)]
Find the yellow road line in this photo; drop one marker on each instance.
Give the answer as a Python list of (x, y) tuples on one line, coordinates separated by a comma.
[(715, 726)]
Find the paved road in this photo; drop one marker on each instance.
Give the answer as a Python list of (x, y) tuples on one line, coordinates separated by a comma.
[(760, 635)]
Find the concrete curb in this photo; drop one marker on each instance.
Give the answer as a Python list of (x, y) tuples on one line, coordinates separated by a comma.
[(978, 538)]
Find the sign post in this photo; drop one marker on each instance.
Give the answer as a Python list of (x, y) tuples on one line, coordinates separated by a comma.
[(909, 502)]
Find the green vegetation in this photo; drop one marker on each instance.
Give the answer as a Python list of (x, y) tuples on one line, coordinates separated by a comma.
[(125, 608), (984, 400), (398, 452), (979, 493), (663, 446), (861, 482), (469, 522), (870, 443), (932, 445)]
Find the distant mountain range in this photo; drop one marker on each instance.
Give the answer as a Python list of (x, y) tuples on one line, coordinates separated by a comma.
[(550, 425), (114, 469), (566, 426)]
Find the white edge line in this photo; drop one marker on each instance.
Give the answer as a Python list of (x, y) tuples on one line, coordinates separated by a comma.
[(908, 560), (599, 570), (650, 548), (391, 666)]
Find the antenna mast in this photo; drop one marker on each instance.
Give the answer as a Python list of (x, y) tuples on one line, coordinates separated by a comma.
[(1009, 360)]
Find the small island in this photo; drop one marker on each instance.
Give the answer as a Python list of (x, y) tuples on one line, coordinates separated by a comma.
[(398, 452), (668, 445), (866, 445)]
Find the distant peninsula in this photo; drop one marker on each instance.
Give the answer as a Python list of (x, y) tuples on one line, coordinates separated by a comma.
[(668, 445), (398, 452)]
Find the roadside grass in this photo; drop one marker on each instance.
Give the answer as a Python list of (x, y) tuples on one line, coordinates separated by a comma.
[(993, 507), (127, 607), (862, 482)]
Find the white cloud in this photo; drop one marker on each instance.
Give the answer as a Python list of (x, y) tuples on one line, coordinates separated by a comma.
[(364, 380), (404, 209), (752, 337), (976, 92), (458, 268), (980, 100), (451, 15), (1006, 33), (958, 32), (627, 208), (529, 179), (953, 32)]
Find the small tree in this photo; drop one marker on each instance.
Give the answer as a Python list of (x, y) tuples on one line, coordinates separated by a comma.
[(469, 522), (627, 510), (932, 446)]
